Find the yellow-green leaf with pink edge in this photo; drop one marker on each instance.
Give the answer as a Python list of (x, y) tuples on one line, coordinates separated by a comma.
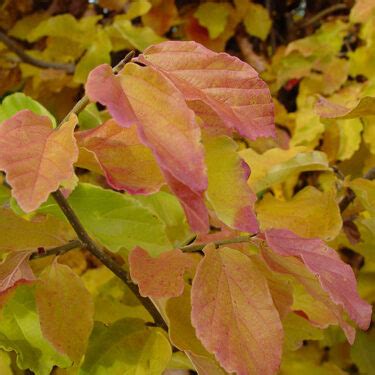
[(228, 191), (127, 163), (36, 158), (225, 92), (335, 277), (66, 310), (234, 315), (327, 109), (162, 276), (15, 270)]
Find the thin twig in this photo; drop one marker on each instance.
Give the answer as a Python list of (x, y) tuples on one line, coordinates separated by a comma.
[(350, 196), (19, 51), (325, 12), (200, 247), (82, 103), (58, 250), (117, 269)]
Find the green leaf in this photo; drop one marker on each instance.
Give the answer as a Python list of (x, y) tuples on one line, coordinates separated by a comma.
[(126, 347), (18, 101), (90, 117), (116, 220), (20, 331), (213, 16), (168, 209), (298, 329), (363, 352), (4, 195)]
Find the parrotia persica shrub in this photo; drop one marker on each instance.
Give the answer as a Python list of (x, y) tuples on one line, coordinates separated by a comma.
[(211, 240)]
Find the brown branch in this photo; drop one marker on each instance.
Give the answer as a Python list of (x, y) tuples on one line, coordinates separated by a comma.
[(200, 247), (19, 51), (350, 196), (117, 269), (325, 12), (82, 103), (58, 250)]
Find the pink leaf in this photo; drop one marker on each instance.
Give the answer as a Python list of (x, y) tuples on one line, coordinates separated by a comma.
[(104, 87), (127, 163), (234, 315), (336, 277), (223, 90), (165, 123), (36, 158), (15, 270), (162, 276), (192, 203)]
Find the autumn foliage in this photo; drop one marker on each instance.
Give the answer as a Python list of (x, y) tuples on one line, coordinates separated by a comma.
[(190, 206)]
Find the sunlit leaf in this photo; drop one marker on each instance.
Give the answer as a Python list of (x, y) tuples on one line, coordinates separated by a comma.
[(65, 310), (44, 157), (365, 192), (233, 313)]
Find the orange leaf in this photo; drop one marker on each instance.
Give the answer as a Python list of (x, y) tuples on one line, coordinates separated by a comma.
[(234, 315), (162, 276), (65, 310), (127, 163), (36, 158)]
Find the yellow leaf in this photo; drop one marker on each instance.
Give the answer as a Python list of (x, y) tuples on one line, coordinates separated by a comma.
[(310, 213), (257, 21), (213, 16)]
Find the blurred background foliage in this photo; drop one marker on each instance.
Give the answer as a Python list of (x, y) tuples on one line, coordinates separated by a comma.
[(302, 49)]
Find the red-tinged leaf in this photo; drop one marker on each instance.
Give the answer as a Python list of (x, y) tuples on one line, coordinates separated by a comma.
[(15, 270), (327, 109), (127, 163), (162, 276), (165, 122), (223, 90), (321, 310), (104, 87), (65, 310), (36, 158), (192, 203), (225, 169), (336, 277), (234, 315)]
